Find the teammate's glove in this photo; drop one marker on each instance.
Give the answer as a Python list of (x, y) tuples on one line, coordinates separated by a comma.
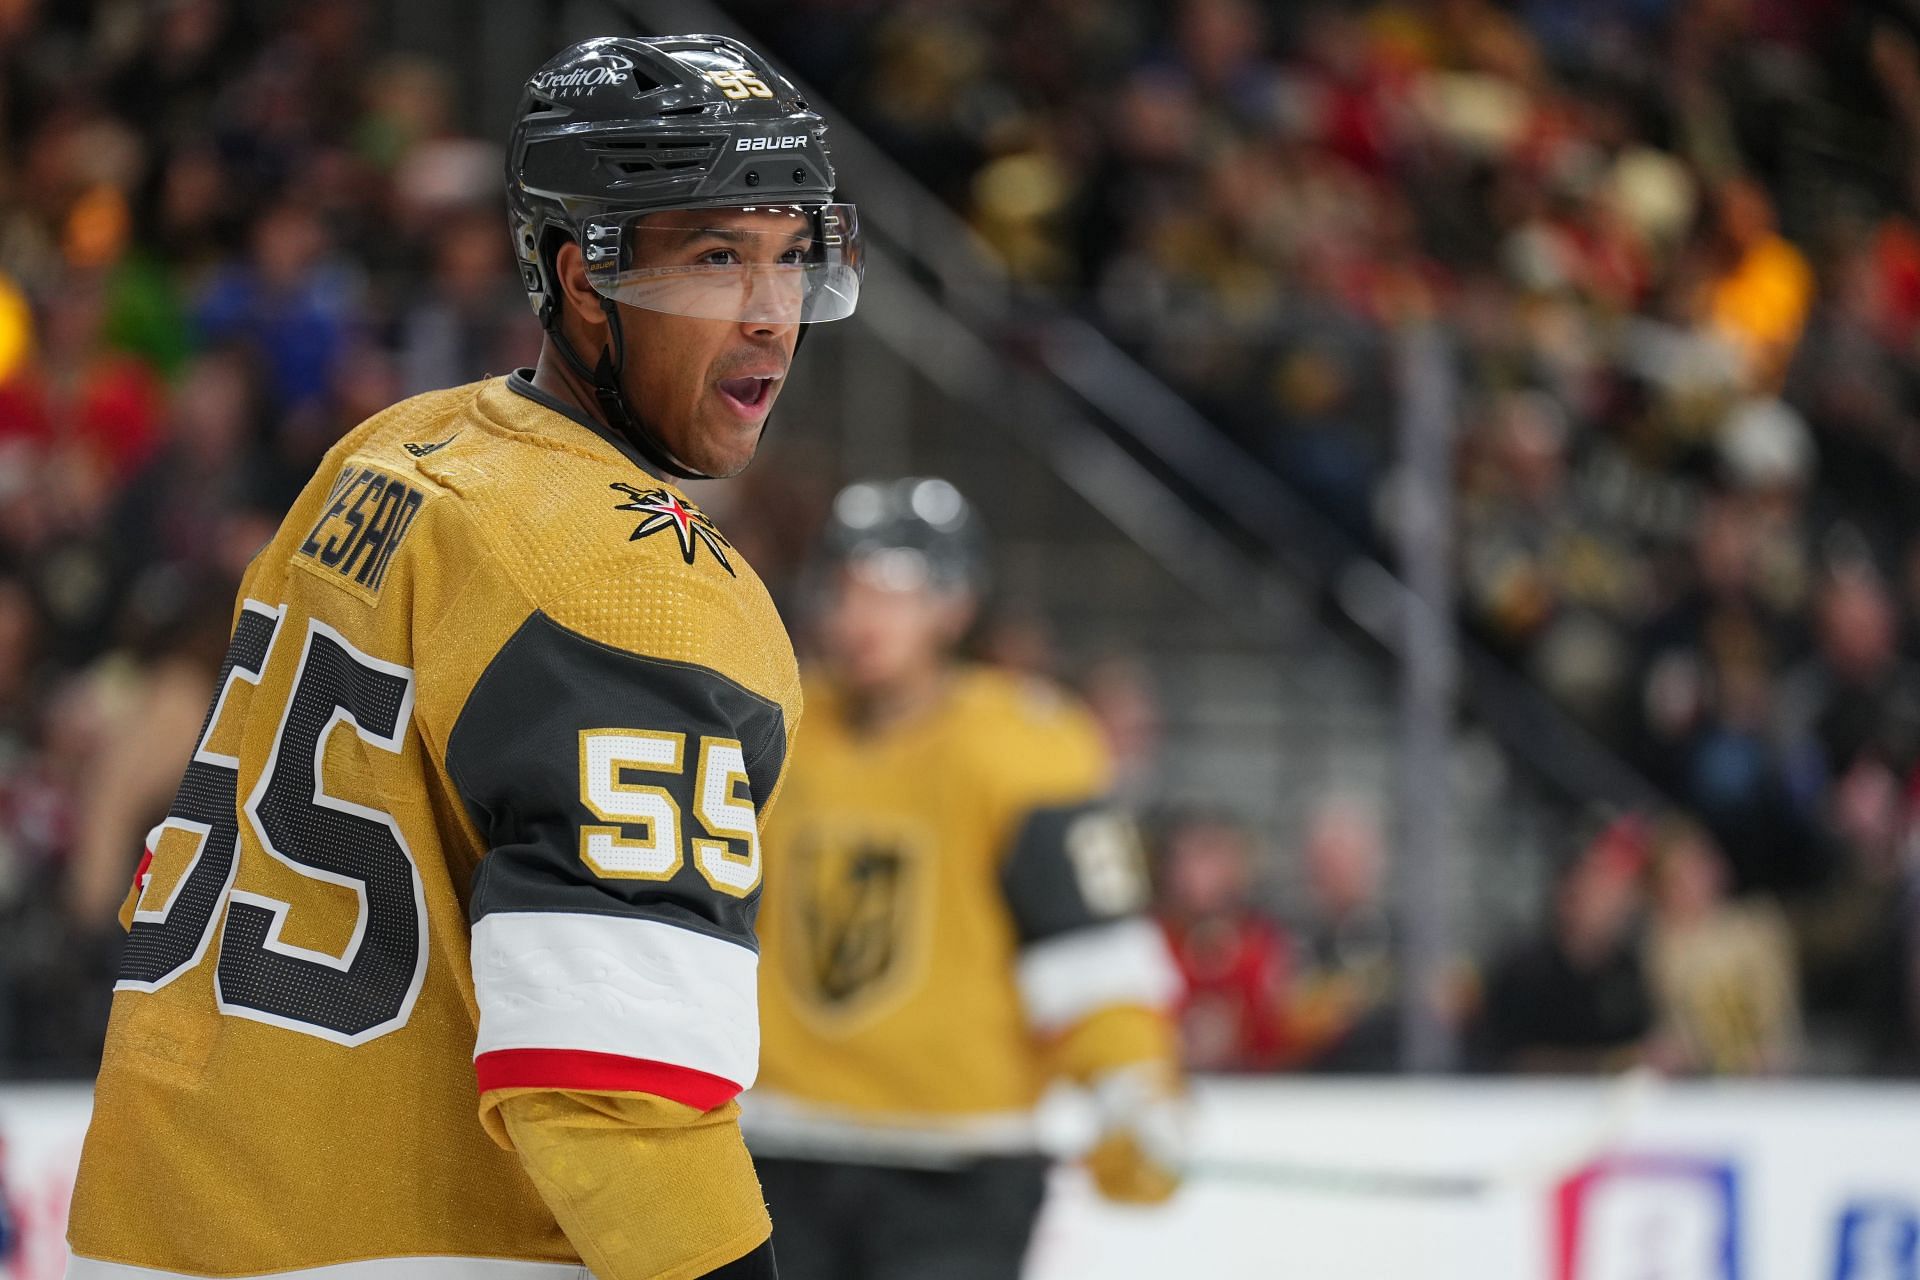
[(1141, 1152)]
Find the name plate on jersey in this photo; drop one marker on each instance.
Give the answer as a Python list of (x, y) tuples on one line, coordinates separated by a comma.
[(368, 515)]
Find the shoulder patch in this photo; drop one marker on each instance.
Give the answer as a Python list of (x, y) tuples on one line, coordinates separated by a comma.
[(665, 510), (368, 515)]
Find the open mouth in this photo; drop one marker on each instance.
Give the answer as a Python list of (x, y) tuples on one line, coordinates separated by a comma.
[(747, 393)]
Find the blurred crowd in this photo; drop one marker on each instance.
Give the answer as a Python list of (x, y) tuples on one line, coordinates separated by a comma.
[(227, 235), (1673, 241), (1644, 957), (1674, 248)]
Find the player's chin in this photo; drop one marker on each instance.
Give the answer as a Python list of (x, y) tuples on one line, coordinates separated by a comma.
[(727, 446)]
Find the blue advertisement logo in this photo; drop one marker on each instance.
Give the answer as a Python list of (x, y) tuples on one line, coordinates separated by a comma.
[(1879, 1239)]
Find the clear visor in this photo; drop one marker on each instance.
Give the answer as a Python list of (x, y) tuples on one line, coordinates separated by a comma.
[(773, 265)]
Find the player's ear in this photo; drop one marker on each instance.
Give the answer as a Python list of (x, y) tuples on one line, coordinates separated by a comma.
[(581, 310)]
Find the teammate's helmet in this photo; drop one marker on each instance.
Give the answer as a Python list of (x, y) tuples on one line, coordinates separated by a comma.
[(910, 532), (616, 128)]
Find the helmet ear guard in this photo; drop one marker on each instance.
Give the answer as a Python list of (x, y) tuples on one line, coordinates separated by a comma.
[(540, 272)]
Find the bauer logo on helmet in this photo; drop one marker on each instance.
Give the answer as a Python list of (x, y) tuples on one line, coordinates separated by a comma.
[(792, 142)]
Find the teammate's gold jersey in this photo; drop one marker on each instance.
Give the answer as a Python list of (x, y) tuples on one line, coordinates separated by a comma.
[(943, 897), (478, 796)]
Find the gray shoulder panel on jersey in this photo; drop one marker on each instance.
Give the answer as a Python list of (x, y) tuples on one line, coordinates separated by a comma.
[(514, 756)]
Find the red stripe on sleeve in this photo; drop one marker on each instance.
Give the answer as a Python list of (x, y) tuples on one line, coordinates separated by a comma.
[(590, 1072), (140, 874)]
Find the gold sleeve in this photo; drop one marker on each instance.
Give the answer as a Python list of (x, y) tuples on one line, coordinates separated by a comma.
[(646, 1189), (1114, 1038)]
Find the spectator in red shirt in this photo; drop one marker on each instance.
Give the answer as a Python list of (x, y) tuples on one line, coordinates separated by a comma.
[(1234, 958), (101, 405)]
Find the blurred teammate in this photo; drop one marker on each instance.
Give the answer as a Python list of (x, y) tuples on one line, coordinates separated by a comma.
[(442, 964), (952, 919)]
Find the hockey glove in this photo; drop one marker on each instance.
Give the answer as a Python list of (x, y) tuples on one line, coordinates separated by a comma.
[(1141, 1152)]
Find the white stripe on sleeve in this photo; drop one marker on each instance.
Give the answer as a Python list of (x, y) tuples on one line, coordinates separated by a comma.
[(637, 988), (1065, 978)]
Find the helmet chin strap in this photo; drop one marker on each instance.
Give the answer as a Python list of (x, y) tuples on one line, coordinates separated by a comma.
[(605, 379)]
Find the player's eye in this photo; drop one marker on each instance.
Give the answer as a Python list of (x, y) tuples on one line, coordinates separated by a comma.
[(719, 258), (794, 256)]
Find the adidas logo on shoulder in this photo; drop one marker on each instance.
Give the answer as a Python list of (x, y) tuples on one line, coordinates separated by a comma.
[(422, 450)]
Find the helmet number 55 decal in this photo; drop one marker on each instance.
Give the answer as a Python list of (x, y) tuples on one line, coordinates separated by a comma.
[(740, 85)]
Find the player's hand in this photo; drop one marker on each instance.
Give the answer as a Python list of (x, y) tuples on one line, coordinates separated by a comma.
[(1126, 1174), (1141, 1152)]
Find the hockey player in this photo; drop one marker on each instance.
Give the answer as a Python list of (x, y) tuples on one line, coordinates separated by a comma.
[(443, 964), (952, 918)]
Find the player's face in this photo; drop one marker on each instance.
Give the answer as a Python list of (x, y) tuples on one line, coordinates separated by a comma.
[(879, 633), (707, 386)]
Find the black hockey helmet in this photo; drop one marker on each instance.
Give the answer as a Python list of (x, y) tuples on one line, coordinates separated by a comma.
[(913, 531), (616, 128)]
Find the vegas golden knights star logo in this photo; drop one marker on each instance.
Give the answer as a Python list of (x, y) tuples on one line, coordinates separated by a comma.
[(665, 511), (854, 916)]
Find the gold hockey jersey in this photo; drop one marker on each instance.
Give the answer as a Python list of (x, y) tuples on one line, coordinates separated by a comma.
[(946, 901), (474, 814)]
